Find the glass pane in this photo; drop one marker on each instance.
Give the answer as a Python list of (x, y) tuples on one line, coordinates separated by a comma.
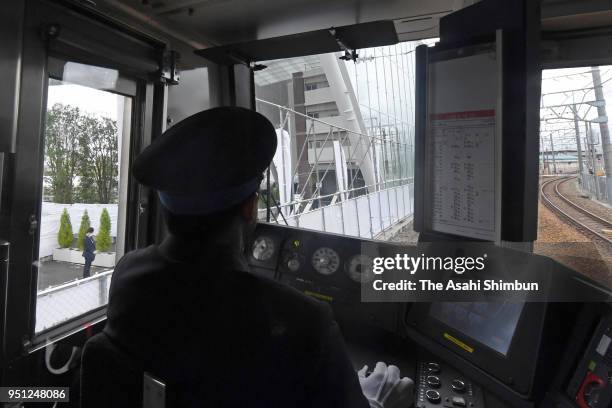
[(575, 209), (82, 224), (345, 157)]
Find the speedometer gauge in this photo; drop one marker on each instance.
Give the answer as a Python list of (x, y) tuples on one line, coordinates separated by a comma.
[(263, 248), (325, 261), (360, 268)]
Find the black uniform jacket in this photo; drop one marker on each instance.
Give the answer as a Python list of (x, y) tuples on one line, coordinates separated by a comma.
[(225, 338), (90, 247)]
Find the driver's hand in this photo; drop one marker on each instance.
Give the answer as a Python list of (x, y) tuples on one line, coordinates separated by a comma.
[(384, 388)]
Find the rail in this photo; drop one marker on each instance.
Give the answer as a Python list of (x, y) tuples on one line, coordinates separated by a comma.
[(557, 209)]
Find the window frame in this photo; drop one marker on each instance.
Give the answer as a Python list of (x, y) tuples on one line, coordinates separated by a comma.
[(90, 39), (127, 87)]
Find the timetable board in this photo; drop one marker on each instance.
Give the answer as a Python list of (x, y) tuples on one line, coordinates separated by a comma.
[(463, 145)]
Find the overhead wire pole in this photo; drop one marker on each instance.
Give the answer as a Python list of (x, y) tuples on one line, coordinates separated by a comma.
[(588, 149), (552, 151), (589, 136), (542, 153), (578, 144), (606, 146)]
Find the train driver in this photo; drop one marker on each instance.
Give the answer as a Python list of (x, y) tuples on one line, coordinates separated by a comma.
[(189, 309)]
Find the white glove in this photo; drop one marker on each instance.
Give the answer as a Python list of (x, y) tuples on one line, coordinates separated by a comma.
[(384, 388)]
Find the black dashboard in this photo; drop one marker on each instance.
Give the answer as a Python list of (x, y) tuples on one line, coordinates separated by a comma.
[(557, 354), (330, 267)]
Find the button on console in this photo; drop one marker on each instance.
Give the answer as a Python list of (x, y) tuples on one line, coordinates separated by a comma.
[(433, 381), (458, 386), (433, 396)]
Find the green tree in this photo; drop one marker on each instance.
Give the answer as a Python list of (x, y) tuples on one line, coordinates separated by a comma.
[(100, 169), (85, 224), (103, 239), (81, 156), (65, 235), (86, 189), (62, 151)]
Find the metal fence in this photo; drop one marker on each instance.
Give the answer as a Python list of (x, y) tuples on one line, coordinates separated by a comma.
[(63, 302), (364, 206), (367, 216), (597, 187)]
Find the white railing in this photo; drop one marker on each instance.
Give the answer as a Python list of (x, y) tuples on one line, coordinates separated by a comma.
[(60, 303), (366, 216)]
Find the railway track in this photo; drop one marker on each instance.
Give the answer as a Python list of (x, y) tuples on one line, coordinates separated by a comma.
[(583, 219)]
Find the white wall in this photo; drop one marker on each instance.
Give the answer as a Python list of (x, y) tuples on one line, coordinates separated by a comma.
[(365, 216), (50, 222), (317, 96)]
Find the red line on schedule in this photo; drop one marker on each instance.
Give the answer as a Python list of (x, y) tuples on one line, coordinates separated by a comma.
[(463, 115)]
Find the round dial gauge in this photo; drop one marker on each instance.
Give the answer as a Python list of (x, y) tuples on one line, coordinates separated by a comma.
[(360, 268), (263, 248), (325, 261)]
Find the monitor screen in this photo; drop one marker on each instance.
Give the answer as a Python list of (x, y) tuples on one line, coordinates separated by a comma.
[(490, 323)]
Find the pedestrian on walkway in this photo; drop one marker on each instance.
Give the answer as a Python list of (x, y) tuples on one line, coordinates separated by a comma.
[(88, 253)]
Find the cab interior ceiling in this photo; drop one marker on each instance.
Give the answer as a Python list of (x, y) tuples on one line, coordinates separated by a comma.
[(204, 24), (222, 22)]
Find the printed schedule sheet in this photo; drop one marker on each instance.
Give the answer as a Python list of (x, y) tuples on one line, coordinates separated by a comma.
[(462, 145)]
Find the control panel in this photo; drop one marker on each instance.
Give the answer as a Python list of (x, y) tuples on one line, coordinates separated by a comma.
[(325, 266), (333, 268), (442, 386), (591, 384)]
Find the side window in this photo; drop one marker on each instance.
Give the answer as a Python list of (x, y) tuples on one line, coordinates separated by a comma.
[(575, 208), (83, 208), (345, 158)]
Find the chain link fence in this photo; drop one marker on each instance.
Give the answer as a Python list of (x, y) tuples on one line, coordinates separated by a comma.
[(597, 187), (61, 303)]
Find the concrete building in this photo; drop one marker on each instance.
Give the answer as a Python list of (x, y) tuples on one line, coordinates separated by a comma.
[(566, 162), (350, 125)]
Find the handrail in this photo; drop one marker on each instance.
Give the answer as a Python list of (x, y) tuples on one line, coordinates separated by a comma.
[(306, 200), (77, 282), (297, 202)]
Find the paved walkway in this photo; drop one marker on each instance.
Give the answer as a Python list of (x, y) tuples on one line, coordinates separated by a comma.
[(406, 235), (53, 273)]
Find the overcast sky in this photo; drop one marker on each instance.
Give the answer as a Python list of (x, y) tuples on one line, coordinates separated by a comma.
[(574, 84), (89, 100)]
